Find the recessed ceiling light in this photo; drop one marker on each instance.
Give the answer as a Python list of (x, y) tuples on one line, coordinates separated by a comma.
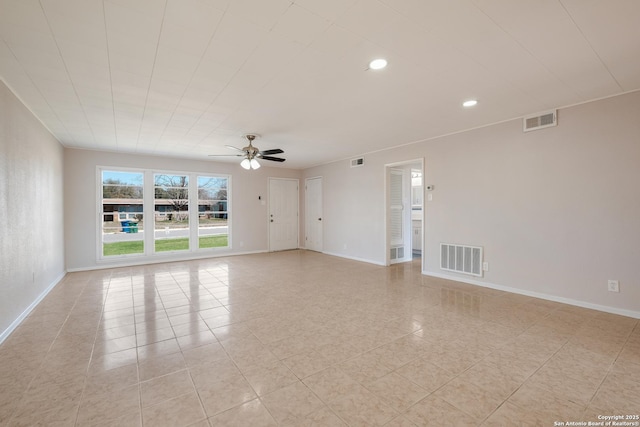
[(378, 64), (469, 103)]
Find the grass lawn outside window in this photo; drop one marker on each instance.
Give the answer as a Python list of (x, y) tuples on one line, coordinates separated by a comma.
[(165, 245)]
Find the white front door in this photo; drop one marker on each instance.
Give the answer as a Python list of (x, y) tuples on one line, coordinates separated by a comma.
[(283, 214), (313, 214)]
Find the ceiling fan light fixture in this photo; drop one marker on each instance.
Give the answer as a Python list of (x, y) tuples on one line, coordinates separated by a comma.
[(251, 154)]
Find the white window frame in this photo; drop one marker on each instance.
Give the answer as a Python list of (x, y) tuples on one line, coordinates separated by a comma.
[(148, 212), (197, 208), (100, 214), (189, 211)]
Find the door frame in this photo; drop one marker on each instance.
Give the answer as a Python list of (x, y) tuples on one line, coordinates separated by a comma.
[(297, 181), (387, 237)]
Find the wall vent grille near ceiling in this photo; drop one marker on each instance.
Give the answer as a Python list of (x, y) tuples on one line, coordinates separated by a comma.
[(540, 121), (461, 259), (357, 162)]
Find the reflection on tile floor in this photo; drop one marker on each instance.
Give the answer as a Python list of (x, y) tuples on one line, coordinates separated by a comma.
[(300, 338)]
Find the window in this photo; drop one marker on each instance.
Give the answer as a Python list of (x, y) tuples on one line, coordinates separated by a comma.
[(213, 213), (122, 215), (171, 212), (190, 212)]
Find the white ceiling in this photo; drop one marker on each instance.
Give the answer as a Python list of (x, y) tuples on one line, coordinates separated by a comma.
[(185, 77)]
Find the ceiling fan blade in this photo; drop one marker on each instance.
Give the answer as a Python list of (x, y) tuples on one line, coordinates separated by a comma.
[(226, 155), (234, 148), (269, 152), (274, 159)]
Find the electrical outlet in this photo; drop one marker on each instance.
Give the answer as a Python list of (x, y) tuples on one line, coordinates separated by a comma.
[(485, 266), (613, 286)]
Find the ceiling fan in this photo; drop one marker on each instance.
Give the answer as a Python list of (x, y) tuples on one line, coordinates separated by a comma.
[(251, 154)]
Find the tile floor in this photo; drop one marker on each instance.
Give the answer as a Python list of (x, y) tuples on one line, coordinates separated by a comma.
[(304, 339)]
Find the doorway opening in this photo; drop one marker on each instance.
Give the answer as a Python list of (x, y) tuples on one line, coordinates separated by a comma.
[(404, 211), (416, 212)]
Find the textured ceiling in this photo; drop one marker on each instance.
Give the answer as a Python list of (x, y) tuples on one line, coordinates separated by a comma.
[(183, 78)]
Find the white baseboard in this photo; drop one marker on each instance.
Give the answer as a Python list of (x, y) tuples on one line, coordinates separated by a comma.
[(29, 309), (613, 310), (133, 263), (368, 261)]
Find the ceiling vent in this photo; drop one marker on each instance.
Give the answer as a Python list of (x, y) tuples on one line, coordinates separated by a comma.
[(540, 121), (357, 162)]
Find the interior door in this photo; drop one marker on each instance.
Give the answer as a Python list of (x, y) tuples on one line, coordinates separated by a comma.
[(283, 214), (313, 214), (399, 250)]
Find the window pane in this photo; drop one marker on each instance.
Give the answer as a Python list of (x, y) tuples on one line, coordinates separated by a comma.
[(213, 214), (171, 212), (122, 218)]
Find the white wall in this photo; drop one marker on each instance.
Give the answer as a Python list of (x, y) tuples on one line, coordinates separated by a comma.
[(248, 214), (557, 210), (31, 211), (353, 210)]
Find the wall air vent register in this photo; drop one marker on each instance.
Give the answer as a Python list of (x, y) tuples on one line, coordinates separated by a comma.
[(461, 259), (357, 162), (540, 121)]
